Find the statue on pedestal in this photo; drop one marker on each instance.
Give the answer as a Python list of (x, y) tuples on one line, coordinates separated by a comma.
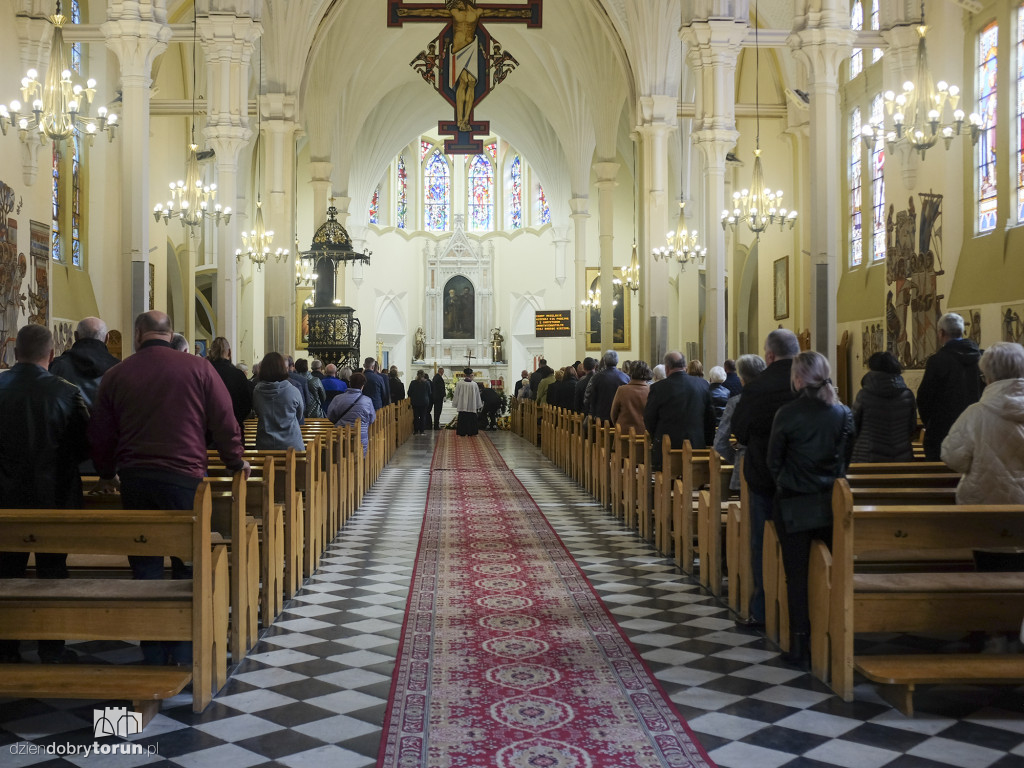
[(497, 346), (419, 345)]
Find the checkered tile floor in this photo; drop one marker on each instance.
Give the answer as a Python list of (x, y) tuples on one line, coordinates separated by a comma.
[(314, 690)]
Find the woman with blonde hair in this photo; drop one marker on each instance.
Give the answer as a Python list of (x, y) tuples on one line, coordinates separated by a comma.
[(810, 446)]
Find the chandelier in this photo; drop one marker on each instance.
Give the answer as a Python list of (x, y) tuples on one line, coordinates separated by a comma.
[(683, 245), (191, 201), (923, 113), (256, 243), (632, 272), (757, 206), (59, 107), (593, 298)]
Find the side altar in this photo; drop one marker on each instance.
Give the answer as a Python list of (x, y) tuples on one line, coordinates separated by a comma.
[(461, 324)]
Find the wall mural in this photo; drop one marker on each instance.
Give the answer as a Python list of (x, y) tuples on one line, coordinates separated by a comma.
[(1012, 323), (13, 267), (913, 263), (39, 291)]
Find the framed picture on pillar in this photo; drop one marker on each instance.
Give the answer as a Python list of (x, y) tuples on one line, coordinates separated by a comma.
[(780, 284), (620, 313), (302, 317)]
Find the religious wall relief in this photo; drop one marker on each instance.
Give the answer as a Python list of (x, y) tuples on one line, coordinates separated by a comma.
[(13, 267), (913, 263), (1012, 323)]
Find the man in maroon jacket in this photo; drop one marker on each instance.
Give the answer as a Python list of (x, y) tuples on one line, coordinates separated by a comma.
[(149, 425)]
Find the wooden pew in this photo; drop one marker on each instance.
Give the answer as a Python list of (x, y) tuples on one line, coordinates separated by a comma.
[(849, 603), (711, 522), (116, 609)]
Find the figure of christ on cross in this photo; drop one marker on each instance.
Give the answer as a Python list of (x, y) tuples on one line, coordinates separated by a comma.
[(465, 15)]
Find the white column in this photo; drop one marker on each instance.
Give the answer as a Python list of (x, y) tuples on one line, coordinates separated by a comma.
[(137, 36), (580, 207), (714, 47), (279, 127), (658, 120), (320, 180), (822, 50), (606, 174), (228, 42)]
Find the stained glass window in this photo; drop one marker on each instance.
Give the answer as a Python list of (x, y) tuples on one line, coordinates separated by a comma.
[(856, 224), (375, 206), (425, 147), (1020, 114), (76, 48), (986, 148), (876, 54), (55, 203), (856, 23), (878, 185), (514, 194), (402, 209), (543, 211), (76, 201), (492, 150), (481, 194), (437, 185)]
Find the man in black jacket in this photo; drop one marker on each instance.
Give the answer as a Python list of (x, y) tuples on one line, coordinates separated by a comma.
[(237, 385), (604, 384), (589, 364), (951, 382), (752, 426), (536, 377), (43, 422), (376, 387), (437, 391), (678, 406), (87, 360)]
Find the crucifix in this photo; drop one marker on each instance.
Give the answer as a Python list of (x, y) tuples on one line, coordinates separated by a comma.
[(469, 358), (464, 63)]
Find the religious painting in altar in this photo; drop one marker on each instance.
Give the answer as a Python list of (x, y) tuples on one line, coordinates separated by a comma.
[(913, 263), (1012, 323), (459, 312), (620, 312), (13, 267), (39, 288), (464, 63), (302, 317)]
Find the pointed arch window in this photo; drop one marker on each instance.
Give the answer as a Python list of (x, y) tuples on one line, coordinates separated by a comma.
[(987, 68), (878, 185), (76, 48), (437, 186), (481, 193), (375, 206), (856, 190), (876, 53), (856, 24), (514, 193), (402, 187), (543, 210), (55, 228), (425, 147), (1020, 114)]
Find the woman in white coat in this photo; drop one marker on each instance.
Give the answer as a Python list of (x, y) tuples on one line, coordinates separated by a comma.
[(986, 443)]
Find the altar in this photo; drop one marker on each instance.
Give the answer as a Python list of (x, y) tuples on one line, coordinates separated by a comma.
[(461, 324)]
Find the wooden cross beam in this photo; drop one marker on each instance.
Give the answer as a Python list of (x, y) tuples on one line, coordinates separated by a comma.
[(400, 12)]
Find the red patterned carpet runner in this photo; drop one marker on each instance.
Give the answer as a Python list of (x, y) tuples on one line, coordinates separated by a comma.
[(508, 658)]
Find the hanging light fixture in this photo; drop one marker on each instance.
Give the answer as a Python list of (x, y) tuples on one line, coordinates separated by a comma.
[(593, 298), (924, 112), (683, 244), (191, 201), (632, 272), (758, 206), (58, 108), (256, 243)]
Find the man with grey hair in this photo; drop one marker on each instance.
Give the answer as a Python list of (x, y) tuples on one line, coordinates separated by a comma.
[(752, 426), (87, 360), (951, 382), (179, 342), (333, 386), (678, 406), (604, 384)]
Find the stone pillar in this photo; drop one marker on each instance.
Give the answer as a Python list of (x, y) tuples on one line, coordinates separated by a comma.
[(714, 47), (658, 120), (606, 174), (228, 42), (822, 50), (560, 239), (279, 126), (320, 180), (137, 33), (580, 207)]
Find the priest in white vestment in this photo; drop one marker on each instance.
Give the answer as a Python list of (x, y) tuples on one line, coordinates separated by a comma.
[(467, 402)]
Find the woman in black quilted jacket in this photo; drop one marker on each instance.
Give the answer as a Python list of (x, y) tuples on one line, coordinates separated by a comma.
[(884, 413)]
